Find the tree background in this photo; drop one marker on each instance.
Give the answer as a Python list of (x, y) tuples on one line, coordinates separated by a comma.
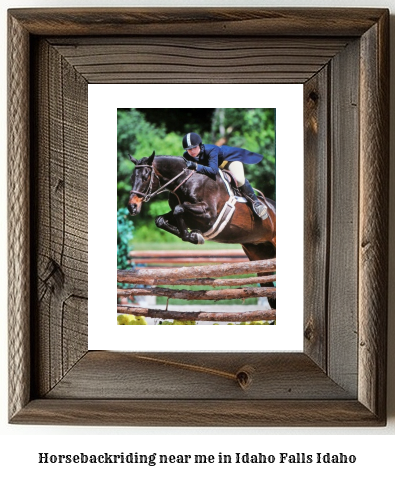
[(143, 130)]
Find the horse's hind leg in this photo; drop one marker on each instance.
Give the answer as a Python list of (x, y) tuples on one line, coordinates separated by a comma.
[(167, 222), (257, 252)]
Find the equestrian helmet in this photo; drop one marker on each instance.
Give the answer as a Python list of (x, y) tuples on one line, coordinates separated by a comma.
[(191, 140)]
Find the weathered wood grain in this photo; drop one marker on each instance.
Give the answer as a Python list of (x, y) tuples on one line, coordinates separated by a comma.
[(139, 60), (373, 226), (61, 196), (196, 375), (316, 215), (344, 216), (18, 218), (201, 413), (260, 22)]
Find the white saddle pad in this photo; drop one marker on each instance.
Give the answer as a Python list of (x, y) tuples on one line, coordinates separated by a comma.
[(240, 199)]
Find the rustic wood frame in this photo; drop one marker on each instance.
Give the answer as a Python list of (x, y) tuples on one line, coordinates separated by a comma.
[(342, 57)]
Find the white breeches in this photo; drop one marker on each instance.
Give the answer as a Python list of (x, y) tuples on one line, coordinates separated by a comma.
[(237, 169)]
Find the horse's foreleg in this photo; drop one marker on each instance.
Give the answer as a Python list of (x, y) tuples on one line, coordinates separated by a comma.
[(194, 236), (167, 222)]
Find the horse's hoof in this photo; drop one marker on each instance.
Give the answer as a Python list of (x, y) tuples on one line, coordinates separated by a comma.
[(200, 238), (197, 238)]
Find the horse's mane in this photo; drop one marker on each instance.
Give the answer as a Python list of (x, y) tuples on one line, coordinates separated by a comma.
[(167, 156), (148, 160), (176, 162)]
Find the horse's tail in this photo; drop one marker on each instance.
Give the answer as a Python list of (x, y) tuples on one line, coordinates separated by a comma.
[(271, 203)]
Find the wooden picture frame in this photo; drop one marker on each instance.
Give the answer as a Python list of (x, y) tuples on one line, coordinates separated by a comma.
[(342, 58)]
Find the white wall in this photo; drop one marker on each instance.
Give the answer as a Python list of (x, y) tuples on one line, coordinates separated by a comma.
[(372, 453)]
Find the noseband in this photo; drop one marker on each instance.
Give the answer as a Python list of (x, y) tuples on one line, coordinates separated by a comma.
[(147, 196)]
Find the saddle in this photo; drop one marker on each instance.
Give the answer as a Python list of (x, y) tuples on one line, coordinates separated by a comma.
[(231, 185), (228, 177)]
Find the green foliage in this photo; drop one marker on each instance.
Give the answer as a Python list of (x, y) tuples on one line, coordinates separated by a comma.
[(124, 237), (158, 207), (149, 232), (252, 129), (139, 138), (163, 301)]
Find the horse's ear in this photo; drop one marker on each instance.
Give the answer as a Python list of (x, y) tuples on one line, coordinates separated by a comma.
[(134, 161), (151, 158)]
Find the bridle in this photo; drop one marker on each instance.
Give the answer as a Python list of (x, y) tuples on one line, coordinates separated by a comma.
[(147, 196)]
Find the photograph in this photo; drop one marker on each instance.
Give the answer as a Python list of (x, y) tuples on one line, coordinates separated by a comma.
[(196, 191)]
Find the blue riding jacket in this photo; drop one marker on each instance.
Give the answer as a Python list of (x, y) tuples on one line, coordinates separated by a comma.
[(212, 156)]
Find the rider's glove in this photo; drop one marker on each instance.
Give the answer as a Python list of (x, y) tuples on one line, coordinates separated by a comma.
[(191, 165)]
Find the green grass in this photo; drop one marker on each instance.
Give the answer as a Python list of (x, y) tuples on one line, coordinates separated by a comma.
[(168, 246), (163, 300)]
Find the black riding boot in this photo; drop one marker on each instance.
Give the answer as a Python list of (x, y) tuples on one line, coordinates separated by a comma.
[(259, 208)]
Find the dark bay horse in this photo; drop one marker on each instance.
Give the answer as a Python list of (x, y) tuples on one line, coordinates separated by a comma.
[(195, 202)]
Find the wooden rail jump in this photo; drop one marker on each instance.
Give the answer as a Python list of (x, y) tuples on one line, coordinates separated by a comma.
[(169, 258), (200, 275)]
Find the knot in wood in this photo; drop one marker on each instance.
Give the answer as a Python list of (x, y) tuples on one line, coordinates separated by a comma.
[(309, 331), (313, 96), (244, 376)]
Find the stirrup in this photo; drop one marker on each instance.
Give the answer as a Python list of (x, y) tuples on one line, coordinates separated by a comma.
[(260, 209)]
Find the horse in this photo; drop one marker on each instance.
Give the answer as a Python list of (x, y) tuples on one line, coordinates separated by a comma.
[(195, 202)]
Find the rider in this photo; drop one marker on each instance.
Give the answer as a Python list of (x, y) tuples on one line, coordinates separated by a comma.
[(207, 158)]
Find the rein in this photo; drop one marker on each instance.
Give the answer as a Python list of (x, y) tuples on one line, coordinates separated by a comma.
[(148, 195)]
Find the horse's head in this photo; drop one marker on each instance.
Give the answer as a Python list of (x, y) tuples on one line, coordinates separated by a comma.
[(141, 180)]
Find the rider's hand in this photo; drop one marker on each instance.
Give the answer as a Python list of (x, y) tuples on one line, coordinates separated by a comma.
[(191, 165)]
